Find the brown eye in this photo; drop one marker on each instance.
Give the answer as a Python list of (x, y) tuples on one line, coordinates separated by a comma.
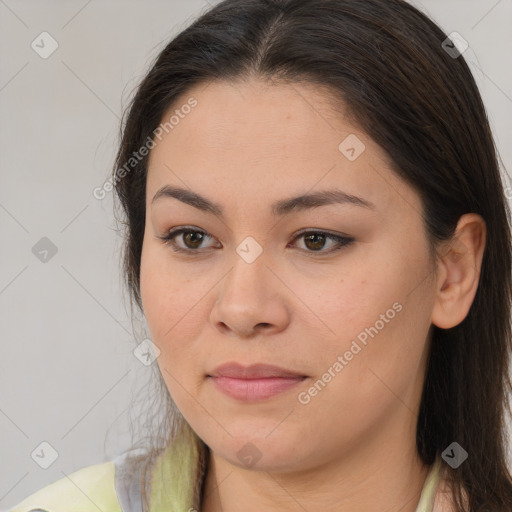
[(315, 241), (191, 239)]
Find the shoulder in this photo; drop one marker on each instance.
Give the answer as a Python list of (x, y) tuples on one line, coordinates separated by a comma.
[(444, 500), (89, 488)]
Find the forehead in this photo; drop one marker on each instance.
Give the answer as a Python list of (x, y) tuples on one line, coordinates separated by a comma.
[(259, 113), (256, 137)]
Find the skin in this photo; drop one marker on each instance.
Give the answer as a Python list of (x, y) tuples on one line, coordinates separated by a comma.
[(352, 447)]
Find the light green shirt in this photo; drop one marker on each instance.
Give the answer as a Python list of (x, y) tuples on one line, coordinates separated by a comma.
[(105, 487)]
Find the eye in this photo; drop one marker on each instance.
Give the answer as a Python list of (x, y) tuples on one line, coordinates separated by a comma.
[(193, 239), (315, 241)]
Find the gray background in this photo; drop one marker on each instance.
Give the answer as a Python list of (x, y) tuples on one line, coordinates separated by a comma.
[(67, 371)]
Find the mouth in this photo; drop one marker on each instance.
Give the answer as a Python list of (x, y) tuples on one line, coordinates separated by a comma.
[(254, 371), (254, 383)]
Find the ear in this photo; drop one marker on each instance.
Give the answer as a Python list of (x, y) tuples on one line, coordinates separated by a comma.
[(459, 266)]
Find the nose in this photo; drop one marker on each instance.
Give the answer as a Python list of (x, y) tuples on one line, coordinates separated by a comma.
[(252, 300)]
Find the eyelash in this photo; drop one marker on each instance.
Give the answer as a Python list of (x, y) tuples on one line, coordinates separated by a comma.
[(168, 239)]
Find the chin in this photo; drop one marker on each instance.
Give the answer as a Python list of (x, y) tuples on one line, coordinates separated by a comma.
[(260, 453)]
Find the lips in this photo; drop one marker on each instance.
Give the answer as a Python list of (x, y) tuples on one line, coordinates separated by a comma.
[(255, 371), (254, 383)]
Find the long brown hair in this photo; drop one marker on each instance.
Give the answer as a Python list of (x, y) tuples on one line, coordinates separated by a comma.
[(386, 62)]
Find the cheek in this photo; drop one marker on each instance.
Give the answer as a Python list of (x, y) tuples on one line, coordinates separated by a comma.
[(174, 306), (151, 289), (172, 318), (159, 292), (377, 314), (389, 344), (351, 301)]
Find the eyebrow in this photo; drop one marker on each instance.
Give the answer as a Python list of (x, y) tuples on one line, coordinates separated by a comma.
[(279, 208)]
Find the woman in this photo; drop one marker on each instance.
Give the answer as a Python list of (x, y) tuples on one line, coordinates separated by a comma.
[(318, 238)]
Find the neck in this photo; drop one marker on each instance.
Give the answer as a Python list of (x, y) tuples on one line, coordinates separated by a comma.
[(386, 474)]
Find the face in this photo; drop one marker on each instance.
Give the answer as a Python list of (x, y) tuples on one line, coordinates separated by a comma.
[(334, 289)]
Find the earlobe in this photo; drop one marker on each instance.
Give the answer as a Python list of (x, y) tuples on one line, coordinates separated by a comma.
[(459, 267)]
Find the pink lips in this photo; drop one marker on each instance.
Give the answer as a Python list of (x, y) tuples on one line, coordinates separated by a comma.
[(255, 382)]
